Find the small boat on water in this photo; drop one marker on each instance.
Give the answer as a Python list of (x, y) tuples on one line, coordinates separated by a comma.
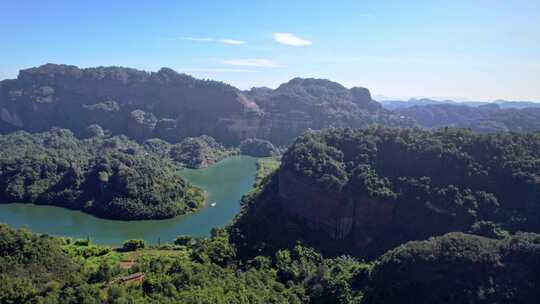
[(213, 204)]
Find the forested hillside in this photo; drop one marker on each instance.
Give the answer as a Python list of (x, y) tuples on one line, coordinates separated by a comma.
[(264, 256), (303, 104), (503, 104), (135, 103), (364, 191), (111, 177), (173, 106), (41, 269), (488, 118)]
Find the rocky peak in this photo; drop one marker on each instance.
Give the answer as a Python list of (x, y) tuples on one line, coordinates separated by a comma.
[(362, 97), (168, 75), (361, 94), (313, 91), (259, 94), (50, 71)]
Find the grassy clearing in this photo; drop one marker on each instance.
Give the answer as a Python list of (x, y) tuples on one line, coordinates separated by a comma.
[(265, 167)]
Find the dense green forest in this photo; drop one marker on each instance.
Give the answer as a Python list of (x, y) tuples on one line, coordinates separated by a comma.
[(454, 268), (198, 152), (363, 191), (249, 263), (173, 106), (258, 148), (111, 177), (489, 118), (41, 269), (459, 268), (294, 152)]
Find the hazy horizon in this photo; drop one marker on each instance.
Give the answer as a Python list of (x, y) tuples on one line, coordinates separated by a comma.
[(481, 51), (376, 96)]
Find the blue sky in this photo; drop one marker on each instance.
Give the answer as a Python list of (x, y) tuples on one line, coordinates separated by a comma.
[(481, 50)]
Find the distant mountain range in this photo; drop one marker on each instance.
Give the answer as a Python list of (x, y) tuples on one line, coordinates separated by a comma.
[(174, 106), (503, 104)]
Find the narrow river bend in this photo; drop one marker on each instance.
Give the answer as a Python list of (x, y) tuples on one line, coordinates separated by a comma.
[(225, 183)]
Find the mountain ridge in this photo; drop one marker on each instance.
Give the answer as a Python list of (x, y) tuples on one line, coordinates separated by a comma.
[(393, 104), (172, 106)]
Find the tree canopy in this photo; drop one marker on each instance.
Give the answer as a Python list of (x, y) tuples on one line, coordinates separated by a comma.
[(341, 189), (109, 177)]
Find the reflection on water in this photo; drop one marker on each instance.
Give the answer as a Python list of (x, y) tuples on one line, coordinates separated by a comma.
[(224, 182)]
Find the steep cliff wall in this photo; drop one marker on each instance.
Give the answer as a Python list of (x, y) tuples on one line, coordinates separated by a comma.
[(356, 221), (125, 101), (364, 191)]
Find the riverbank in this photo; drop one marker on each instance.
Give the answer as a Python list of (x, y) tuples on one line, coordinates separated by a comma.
[(224, 182)]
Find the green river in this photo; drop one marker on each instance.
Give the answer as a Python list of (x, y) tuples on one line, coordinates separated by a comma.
[(225, 183)]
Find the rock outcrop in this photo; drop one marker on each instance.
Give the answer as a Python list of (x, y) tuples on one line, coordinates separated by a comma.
[(258, 148), (487, 118), (109, 177), (124, 101), (199, 152), (363, 191), (303, 104), (344, 217)]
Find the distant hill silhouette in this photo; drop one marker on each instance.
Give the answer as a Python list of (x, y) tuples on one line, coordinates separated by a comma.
[(503, 104), (173, 106), (488, 118)]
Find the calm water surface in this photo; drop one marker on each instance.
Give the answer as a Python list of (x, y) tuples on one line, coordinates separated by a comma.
[(225, 183)]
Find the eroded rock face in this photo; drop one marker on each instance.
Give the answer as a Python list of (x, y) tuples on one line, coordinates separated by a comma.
[(258, 148), (353, 220), (10, 118), (141, 124), (167, 129)]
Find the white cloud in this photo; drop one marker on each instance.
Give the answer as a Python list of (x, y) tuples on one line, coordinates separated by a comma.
[(233, 41), (252, 62), (290, 39)]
